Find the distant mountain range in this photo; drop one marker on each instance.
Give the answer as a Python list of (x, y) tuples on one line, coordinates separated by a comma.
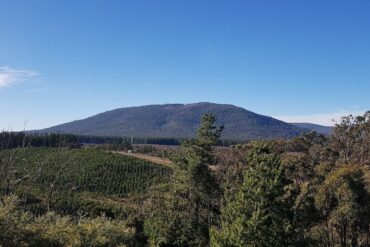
[(182, 120), (325, 130)]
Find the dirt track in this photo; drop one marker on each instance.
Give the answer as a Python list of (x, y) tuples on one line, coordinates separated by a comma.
[(153, 159)]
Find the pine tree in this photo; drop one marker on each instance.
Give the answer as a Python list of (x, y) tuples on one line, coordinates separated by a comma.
[(258, 214), (182, 212)]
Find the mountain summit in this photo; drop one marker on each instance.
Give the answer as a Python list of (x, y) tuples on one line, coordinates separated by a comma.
[(178, 120)]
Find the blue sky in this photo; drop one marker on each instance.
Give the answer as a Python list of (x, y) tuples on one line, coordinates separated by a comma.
[(295, 60)]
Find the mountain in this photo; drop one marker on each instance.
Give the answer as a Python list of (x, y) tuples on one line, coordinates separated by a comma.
[(178, 120), (325, 130)]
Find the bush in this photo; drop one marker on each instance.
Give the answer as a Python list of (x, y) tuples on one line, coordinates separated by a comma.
[(20, 228)]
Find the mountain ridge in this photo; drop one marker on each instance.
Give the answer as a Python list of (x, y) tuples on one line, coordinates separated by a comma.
[(322, 129), (178, 121)]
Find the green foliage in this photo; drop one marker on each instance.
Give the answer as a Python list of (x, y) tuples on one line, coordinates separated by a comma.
[(343, 202), (90, 170), (181, 212), (341, 194), (259, 215), (68, 181), (19, 228)]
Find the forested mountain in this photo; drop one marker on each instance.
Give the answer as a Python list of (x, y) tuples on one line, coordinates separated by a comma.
[(178, 120)]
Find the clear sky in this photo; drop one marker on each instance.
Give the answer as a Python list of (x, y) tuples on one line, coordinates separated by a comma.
[(295, 60)]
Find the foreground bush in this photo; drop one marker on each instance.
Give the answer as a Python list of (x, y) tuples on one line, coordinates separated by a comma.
[(20, 228)]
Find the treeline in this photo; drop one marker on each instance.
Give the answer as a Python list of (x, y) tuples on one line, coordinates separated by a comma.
[(147, 140), (9, 140), (129, 140), (19, 139)]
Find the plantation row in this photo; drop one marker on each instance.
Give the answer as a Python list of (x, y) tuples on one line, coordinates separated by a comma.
[(85, 170)]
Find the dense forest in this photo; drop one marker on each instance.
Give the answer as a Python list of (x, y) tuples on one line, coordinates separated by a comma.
[(312, 190), (9, 140), (19, 139)]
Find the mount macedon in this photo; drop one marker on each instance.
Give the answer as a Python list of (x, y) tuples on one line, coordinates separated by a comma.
[(182, 120)]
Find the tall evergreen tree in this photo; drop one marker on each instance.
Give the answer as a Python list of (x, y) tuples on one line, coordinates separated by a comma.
[(258, 214), (182, 212)]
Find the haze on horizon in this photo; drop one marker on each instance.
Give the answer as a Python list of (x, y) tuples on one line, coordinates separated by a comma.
[(306, 61)]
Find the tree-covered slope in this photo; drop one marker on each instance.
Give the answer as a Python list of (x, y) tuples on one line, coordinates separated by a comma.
[(325, 130), (178, 120)]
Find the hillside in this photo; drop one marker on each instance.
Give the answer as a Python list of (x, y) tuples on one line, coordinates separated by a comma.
[(178, 120), (326, 130)]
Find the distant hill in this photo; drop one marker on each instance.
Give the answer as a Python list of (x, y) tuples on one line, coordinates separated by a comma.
[(325, 130), (178, 120)]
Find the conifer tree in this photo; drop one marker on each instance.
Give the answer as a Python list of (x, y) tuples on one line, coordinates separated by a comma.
[(258, 214), (182, 211)]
